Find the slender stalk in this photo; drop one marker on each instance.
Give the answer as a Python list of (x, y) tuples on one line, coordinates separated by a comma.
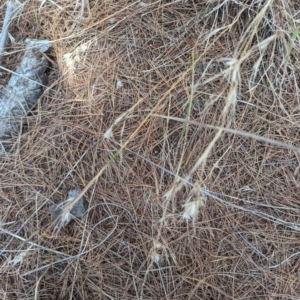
[(11, 7)]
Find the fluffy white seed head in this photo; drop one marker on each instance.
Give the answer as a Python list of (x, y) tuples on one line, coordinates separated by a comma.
[(195, 201), (119, 84), (156, 252), (191, 209), (18, 259)]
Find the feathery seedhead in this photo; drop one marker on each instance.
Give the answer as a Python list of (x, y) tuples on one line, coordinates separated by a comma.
[(18, 259), (156, 252), (191, 210), (195, 201)]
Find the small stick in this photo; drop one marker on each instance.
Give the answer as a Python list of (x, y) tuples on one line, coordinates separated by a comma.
[(11, 8)]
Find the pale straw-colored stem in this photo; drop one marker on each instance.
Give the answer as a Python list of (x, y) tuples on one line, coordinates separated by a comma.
[(11, 7)]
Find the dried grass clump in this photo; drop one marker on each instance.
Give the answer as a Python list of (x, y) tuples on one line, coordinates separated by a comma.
[(207, 111)]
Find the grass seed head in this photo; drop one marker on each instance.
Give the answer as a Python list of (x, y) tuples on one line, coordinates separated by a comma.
[(191, 210), (156, 252), (18, 259), (195, 201)]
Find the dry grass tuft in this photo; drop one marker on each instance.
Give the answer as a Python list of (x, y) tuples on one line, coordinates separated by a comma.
[(179, 121)]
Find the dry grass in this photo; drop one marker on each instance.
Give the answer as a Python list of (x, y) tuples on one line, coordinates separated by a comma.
[(152, 104)]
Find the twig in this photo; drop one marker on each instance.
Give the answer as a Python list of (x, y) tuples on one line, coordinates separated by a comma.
[(12, 7), (31, 243), (250, 245)]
